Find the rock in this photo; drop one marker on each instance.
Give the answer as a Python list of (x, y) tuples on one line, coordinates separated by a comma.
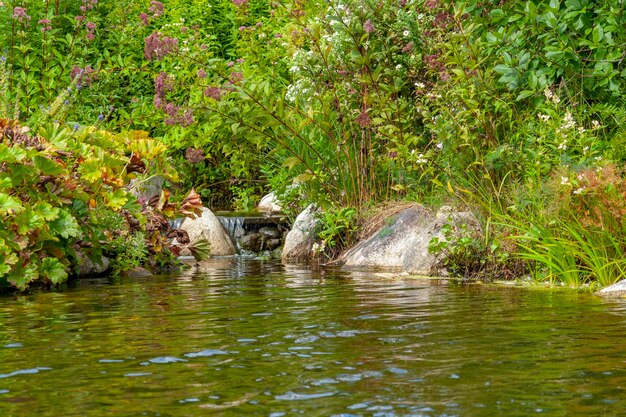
[(252, 242), (137, 272), (617, 290), (148, 189), (270, 232), (87, 267), (299, 242), (269, 204), (403, 245), (209, 227), (271, 244)]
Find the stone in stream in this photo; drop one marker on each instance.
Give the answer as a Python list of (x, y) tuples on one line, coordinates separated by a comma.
[(269, 204), (299, 242), (252, 242), (271, 244), (617, 290), (87, 267), (208, 226), (270, 232), (403, 244)]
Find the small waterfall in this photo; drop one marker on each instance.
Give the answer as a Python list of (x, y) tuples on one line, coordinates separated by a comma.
[(233, 225), (176, 223)]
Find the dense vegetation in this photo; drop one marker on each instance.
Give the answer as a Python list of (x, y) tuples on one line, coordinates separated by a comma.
[(514, 109)]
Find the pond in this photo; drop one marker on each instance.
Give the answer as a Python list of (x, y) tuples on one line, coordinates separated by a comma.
[(240, 337)]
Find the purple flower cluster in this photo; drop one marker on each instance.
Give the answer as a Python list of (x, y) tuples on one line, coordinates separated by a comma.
[(194, 155), (19, 14), (158, 46), (213, 92), (83, 76), (46, 25), (91, 28), (236, 77), (88, 5), (368, 27), (201, 73), (239, 3), (363, 119), (156, 8), (162, 85)]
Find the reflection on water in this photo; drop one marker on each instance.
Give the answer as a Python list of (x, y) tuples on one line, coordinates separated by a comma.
[(239, 337)]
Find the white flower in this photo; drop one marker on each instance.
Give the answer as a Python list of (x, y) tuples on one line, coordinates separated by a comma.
[(568, 121), (420, 85), (595, 124), (439, 145), (564, 181), (406, 33), (543, 117), (421, 159), (399, 67), (563, 146), (579, 190)]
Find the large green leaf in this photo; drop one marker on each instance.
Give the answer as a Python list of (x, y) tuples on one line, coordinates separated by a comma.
[(9, 204), (53, 269), (65, 225), (47, 166)]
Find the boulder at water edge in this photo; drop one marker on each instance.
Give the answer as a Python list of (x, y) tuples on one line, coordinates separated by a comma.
[(403, 244), (617, 290), (210, 227), (298, 247), (269, 204)]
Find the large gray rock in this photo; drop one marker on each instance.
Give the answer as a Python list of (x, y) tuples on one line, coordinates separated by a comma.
[(269, 204), (403, 245), (298, 247), (209, 227), (88, 268), (617, 290)]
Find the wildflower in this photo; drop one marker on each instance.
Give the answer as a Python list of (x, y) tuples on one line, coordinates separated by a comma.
[(145, 19), (242, 28), (439, 145), (431, 4), (399, 67), (194, 155), (19, 14), (363, 119), (236, 77), (278, 35), (420, 85), (100, 117), (543, 117), (407, 48), (368, 27), (565, 181), (568, 121), (579, 190), (406, 33), (239, 3), (595, 124), (213, 92), (157, 46), (230, 63), (240, 60), (46, 25), (201, 73), (562, 146), (156, 8)]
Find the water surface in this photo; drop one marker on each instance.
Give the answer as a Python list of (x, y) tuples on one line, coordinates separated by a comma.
[(239, 337)]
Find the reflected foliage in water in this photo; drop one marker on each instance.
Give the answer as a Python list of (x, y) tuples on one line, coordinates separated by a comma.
[(242, 337)]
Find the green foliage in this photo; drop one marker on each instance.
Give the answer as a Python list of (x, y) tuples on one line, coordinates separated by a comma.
[(336, 230), (65, 194)]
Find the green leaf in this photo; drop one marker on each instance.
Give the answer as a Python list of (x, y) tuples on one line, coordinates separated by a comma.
[(116, 199), (47, 166), (65, 226), (597, 34), (21, 276), (291, 162), (10, 204), (53, 269), (46, 211)]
